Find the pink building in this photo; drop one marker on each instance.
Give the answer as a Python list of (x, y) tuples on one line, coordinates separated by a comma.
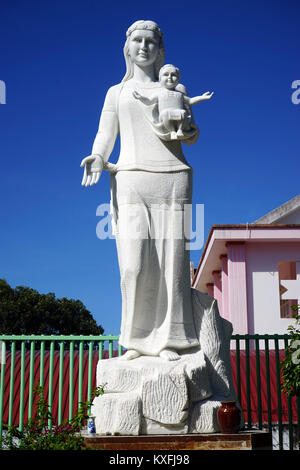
[(253, 270)]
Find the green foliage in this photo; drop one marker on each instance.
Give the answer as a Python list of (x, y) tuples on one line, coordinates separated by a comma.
[(26, 311), (36, 435), (290, 367)]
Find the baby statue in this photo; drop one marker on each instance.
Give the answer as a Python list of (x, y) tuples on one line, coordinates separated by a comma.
[(173, 104)]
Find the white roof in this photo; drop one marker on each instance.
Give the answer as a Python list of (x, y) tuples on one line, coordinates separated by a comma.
[(287, 210)]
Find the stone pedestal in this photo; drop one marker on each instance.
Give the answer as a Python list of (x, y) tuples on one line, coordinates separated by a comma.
[(149, 395)]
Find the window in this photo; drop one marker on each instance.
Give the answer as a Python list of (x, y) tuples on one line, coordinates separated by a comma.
[(289, 287)]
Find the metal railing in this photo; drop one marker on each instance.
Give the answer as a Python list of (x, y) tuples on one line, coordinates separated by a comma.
[(32, 361), (65, 366), (257, 381)]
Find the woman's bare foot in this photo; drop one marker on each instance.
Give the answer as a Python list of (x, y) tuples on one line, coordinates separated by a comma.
[(169, 355), (130, 354)]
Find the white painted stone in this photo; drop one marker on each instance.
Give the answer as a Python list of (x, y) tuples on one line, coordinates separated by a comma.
[(117, 413), (214, 335), (165, 397), (153, 427), (197, 377), (117, 376), (203, 417)]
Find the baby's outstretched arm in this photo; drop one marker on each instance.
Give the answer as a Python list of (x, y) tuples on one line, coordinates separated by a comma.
[(143, 99), (197, 99)]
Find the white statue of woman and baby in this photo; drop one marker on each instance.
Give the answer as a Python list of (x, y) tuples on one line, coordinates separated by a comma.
[(156, 308), (151, 112)]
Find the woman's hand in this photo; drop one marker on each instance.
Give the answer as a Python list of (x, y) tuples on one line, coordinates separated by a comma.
[(207, 95), (93, 166)]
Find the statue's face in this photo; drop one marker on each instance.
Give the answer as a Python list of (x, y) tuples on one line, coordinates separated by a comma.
[(143, 47), (169, 78)]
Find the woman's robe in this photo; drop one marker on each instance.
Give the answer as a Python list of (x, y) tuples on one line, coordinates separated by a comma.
[(150, 190)]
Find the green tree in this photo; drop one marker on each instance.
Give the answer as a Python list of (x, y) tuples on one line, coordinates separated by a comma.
[(290, 367), (25, 311)]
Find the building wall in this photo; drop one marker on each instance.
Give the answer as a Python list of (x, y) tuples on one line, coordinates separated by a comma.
[(263, 297)]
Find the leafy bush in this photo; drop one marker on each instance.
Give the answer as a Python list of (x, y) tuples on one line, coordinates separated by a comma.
[(36, 435), (290, 367)]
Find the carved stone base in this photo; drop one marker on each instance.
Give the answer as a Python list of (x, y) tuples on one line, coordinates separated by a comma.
[(150, 395)]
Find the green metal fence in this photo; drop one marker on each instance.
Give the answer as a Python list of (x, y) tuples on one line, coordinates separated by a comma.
[(256, 360), (38, 347), (267, 352)]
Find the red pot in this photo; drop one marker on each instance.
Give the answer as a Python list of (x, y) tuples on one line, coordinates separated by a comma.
[(229, 417)]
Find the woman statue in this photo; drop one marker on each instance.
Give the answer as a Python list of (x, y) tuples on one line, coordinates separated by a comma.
[(150, 185)]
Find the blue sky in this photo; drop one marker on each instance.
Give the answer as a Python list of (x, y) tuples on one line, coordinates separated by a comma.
[(59, 58)]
